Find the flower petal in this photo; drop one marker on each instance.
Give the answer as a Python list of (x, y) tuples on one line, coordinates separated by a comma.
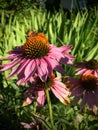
[(59, 96), (42, 69), (80, 71), (29, 69), (41, 98), (10, 65)]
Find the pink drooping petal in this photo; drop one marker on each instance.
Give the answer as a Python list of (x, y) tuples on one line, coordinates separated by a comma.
[(14, 72), (78, 90), (27, 125), (10, 65), (60, 97), (20, 81), (41, 98), (80, 71), (28, 101), (53, 62), (67, 59), (65, 49), (59, 69), (87, 72), (20, 72), (44, 65), (56, 55), (28, 68), (69, 56), (90, 99), (56, 66), (23, 65), (96, 73), (52, 48), (21, 77), (42, 70), (17, 70), (49, 67), (10, 57), (33, 93), (60, 86), (63, 94), (31, 79), (59, 78)]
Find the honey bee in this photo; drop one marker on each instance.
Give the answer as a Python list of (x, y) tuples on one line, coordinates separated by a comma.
[(31, 33)]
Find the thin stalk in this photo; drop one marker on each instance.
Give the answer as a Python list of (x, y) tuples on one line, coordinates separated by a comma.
[(50, 109), (35, 106)]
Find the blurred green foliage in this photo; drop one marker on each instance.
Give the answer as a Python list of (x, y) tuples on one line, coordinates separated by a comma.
[(15, 4)]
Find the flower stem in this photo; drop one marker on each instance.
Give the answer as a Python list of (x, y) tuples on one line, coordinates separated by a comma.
[(50, 109), (35, 106)]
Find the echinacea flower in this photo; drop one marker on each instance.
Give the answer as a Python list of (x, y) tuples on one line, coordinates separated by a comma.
[(37, 91), (85, 88), (36, 57), (87, 67)]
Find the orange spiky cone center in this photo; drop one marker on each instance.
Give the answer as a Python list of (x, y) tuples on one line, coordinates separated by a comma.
[(36, 46), (89, 82)]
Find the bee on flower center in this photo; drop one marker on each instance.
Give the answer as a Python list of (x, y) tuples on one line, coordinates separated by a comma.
[(36, 45)]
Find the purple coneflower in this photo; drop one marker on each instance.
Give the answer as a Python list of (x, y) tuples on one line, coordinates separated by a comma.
[(37, 91), (87, 67), (36, 57), (85, 88)]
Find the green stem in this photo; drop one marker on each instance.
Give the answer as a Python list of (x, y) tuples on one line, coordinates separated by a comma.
[(35, 106), (50, 109)]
